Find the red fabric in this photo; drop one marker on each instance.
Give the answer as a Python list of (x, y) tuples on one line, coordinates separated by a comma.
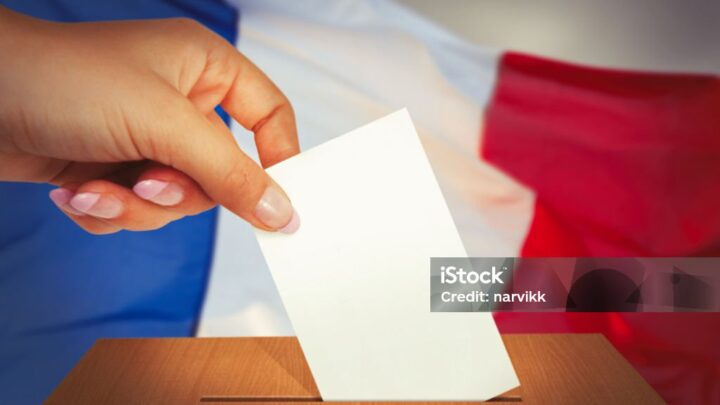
[(623, 164)]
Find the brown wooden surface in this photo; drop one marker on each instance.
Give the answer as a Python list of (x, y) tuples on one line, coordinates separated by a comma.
[(553, 369)]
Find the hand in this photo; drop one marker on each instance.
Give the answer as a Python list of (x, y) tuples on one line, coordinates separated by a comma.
[(121, 116)]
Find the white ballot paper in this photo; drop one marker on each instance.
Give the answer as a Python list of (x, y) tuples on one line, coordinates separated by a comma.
[(355, 278)]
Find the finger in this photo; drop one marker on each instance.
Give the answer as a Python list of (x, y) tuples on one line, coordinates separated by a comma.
[(186, 140), (172, 190), (118, 206), (62, 196), (257, 104), (104, 206)]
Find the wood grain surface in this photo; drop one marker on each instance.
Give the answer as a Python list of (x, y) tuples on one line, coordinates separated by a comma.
[(553, 369)]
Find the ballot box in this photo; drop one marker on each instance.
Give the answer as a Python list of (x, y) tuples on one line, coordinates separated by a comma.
[(552, 368)]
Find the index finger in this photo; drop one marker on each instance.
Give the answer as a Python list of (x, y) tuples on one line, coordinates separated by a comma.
[(257, 104)]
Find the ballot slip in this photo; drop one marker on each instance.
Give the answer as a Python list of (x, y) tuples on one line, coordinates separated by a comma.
[(355, 277)]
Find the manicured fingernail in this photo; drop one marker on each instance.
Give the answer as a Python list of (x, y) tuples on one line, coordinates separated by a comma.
[(61, 197), (293, 225), (101, 206), (159, 192), (276, 211)]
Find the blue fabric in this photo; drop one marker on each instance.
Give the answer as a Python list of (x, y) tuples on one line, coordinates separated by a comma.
[(61, 288)]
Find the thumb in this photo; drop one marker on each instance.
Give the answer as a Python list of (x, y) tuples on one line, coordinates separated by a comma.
[(209, 154)]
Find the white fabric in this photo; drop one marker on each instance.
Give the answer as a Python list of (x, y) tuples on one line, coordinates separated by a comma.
[(343, 64)]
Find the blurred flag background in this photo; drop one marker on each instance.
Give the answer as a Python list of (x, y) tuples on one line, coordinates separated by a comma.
[(616, 156)]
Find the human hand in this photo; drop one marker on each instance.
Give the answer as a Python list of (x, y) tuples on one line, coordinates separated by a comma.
[(121, 116)]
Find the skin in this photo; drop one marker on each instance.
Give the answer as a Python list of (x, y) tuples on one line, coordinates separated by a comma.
[(98, 107)]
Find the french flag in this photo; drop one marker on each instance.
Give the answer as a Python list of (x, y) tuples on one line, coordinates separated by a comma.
[(535, 157)]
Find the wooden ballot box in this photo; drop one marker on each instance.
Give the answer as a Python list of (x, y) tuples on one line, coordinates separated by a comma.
[(552, 368)]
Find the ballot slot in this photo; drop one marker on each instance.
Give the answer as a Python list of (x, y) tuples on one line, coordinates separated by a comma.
[(505, 398), (245, 399)]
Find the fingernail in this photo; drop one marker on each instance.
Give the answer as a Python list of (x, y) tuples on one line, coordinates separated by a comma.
[(276, 211), (293, 225), (96, 205), (61, 197), (159, 192)]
